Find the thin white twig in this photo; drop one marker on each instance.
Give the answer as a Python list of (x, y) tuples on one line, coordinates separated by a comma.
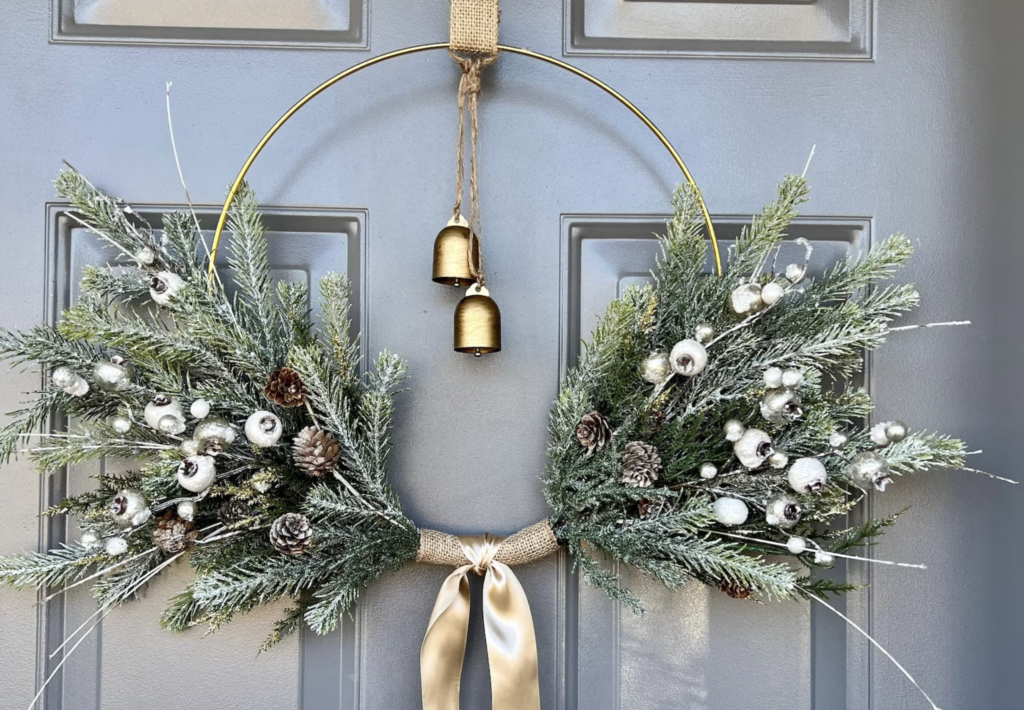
[(184, 187), (877, 645), (929, 325), (808, 164), (181, 175), (217, 538), (990, 475), (833, 554), (99, 610), (106, 610)]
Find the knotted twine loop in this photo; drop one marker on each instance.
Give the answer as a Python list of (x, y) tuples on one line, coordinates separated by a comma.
[(508, 624), (474, 46)]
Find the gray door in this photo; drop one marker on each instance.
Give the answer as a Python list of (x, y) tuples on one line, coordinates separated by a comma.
[(900, 98)]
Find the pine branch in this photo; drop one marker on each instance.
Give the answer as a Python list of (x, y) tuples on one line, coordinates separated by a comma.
[(59, 566), (110, 285), (336, 326), (295, 313), (181, 236), (105, 216), (251, 267), (922, 451), (751, 250), (44, 345), (332, 402), (376, 410), (287, 625), (865, 535)]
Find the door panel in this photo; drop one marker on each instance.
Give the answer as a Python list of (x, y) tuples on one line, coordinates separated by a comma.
[(572, 188), (129, 658), (695, 631), (319, 24)]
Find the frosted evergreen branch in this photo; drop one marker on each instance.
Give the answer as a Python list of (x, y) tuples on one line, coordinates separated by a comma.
[(922, 451), (183, 238), (44, 345), (295, 315), (111, 285), (49, 569), (768, 229), (376, 410), (103, 215), (335, 307), (250, 265)]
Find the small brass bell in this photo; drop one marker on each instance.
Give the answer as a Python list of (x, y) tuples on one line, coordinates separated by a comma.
[(477, 323), (451, 254)]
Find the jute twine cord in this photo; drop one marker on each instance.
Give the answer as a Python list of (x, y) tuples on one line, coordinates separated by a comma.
[(528, 545), (474, 46)]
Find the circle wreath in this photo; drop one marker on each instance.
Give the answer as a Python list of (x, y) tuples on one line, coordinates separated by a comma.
[(709, 432)]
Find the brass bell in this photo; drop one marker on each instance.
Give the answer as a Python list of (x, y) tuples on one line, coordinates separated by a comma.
[(451, 254), (477, 323)]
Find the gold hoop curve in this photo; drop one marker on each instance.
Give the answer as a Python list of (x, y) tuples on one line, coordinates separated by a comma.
[(444, 45)]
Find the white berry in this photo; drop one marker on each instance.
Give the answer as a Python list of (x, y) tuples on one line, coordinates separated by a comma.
[(734, 429), (145, 256), (688, 358), (792, 378), (796, 545), (164, 286), (730, 511), (200, 409), (63, 376), (773, 377), (878, 435), (197, 473), (186, 510), (772, 292), (807, 475), (263, 428), (795, 273), (115, 546), (838, 439)]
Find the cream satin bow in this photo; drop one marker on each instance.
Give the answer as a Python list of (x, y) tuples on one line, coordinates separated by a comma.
[(508, 625)]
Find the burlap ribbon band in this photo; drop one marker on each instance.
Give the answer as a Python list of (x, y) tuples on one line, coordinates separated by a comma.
[(508, 624)]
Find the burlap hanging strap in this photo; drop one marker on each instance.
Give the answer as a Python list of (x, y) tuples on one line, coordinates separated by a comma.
[(474, 27)]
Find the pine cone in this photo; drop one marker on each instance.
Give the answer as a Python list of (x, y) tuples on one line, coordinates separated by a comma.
[(285, 387), (233, 511), (658, 419), (735, 590), (172, 534), (640, 465), (650, 508), (291, 534), (315, 451), (593, 431)]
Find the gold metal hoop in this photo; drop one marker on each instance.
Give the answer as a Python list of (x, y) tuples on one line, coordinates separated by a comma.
[(444, 45)]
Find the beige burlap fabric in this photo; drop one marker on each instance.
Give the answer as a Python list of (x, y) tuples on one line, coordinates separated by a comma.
[(528, 545), (474, 28)]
